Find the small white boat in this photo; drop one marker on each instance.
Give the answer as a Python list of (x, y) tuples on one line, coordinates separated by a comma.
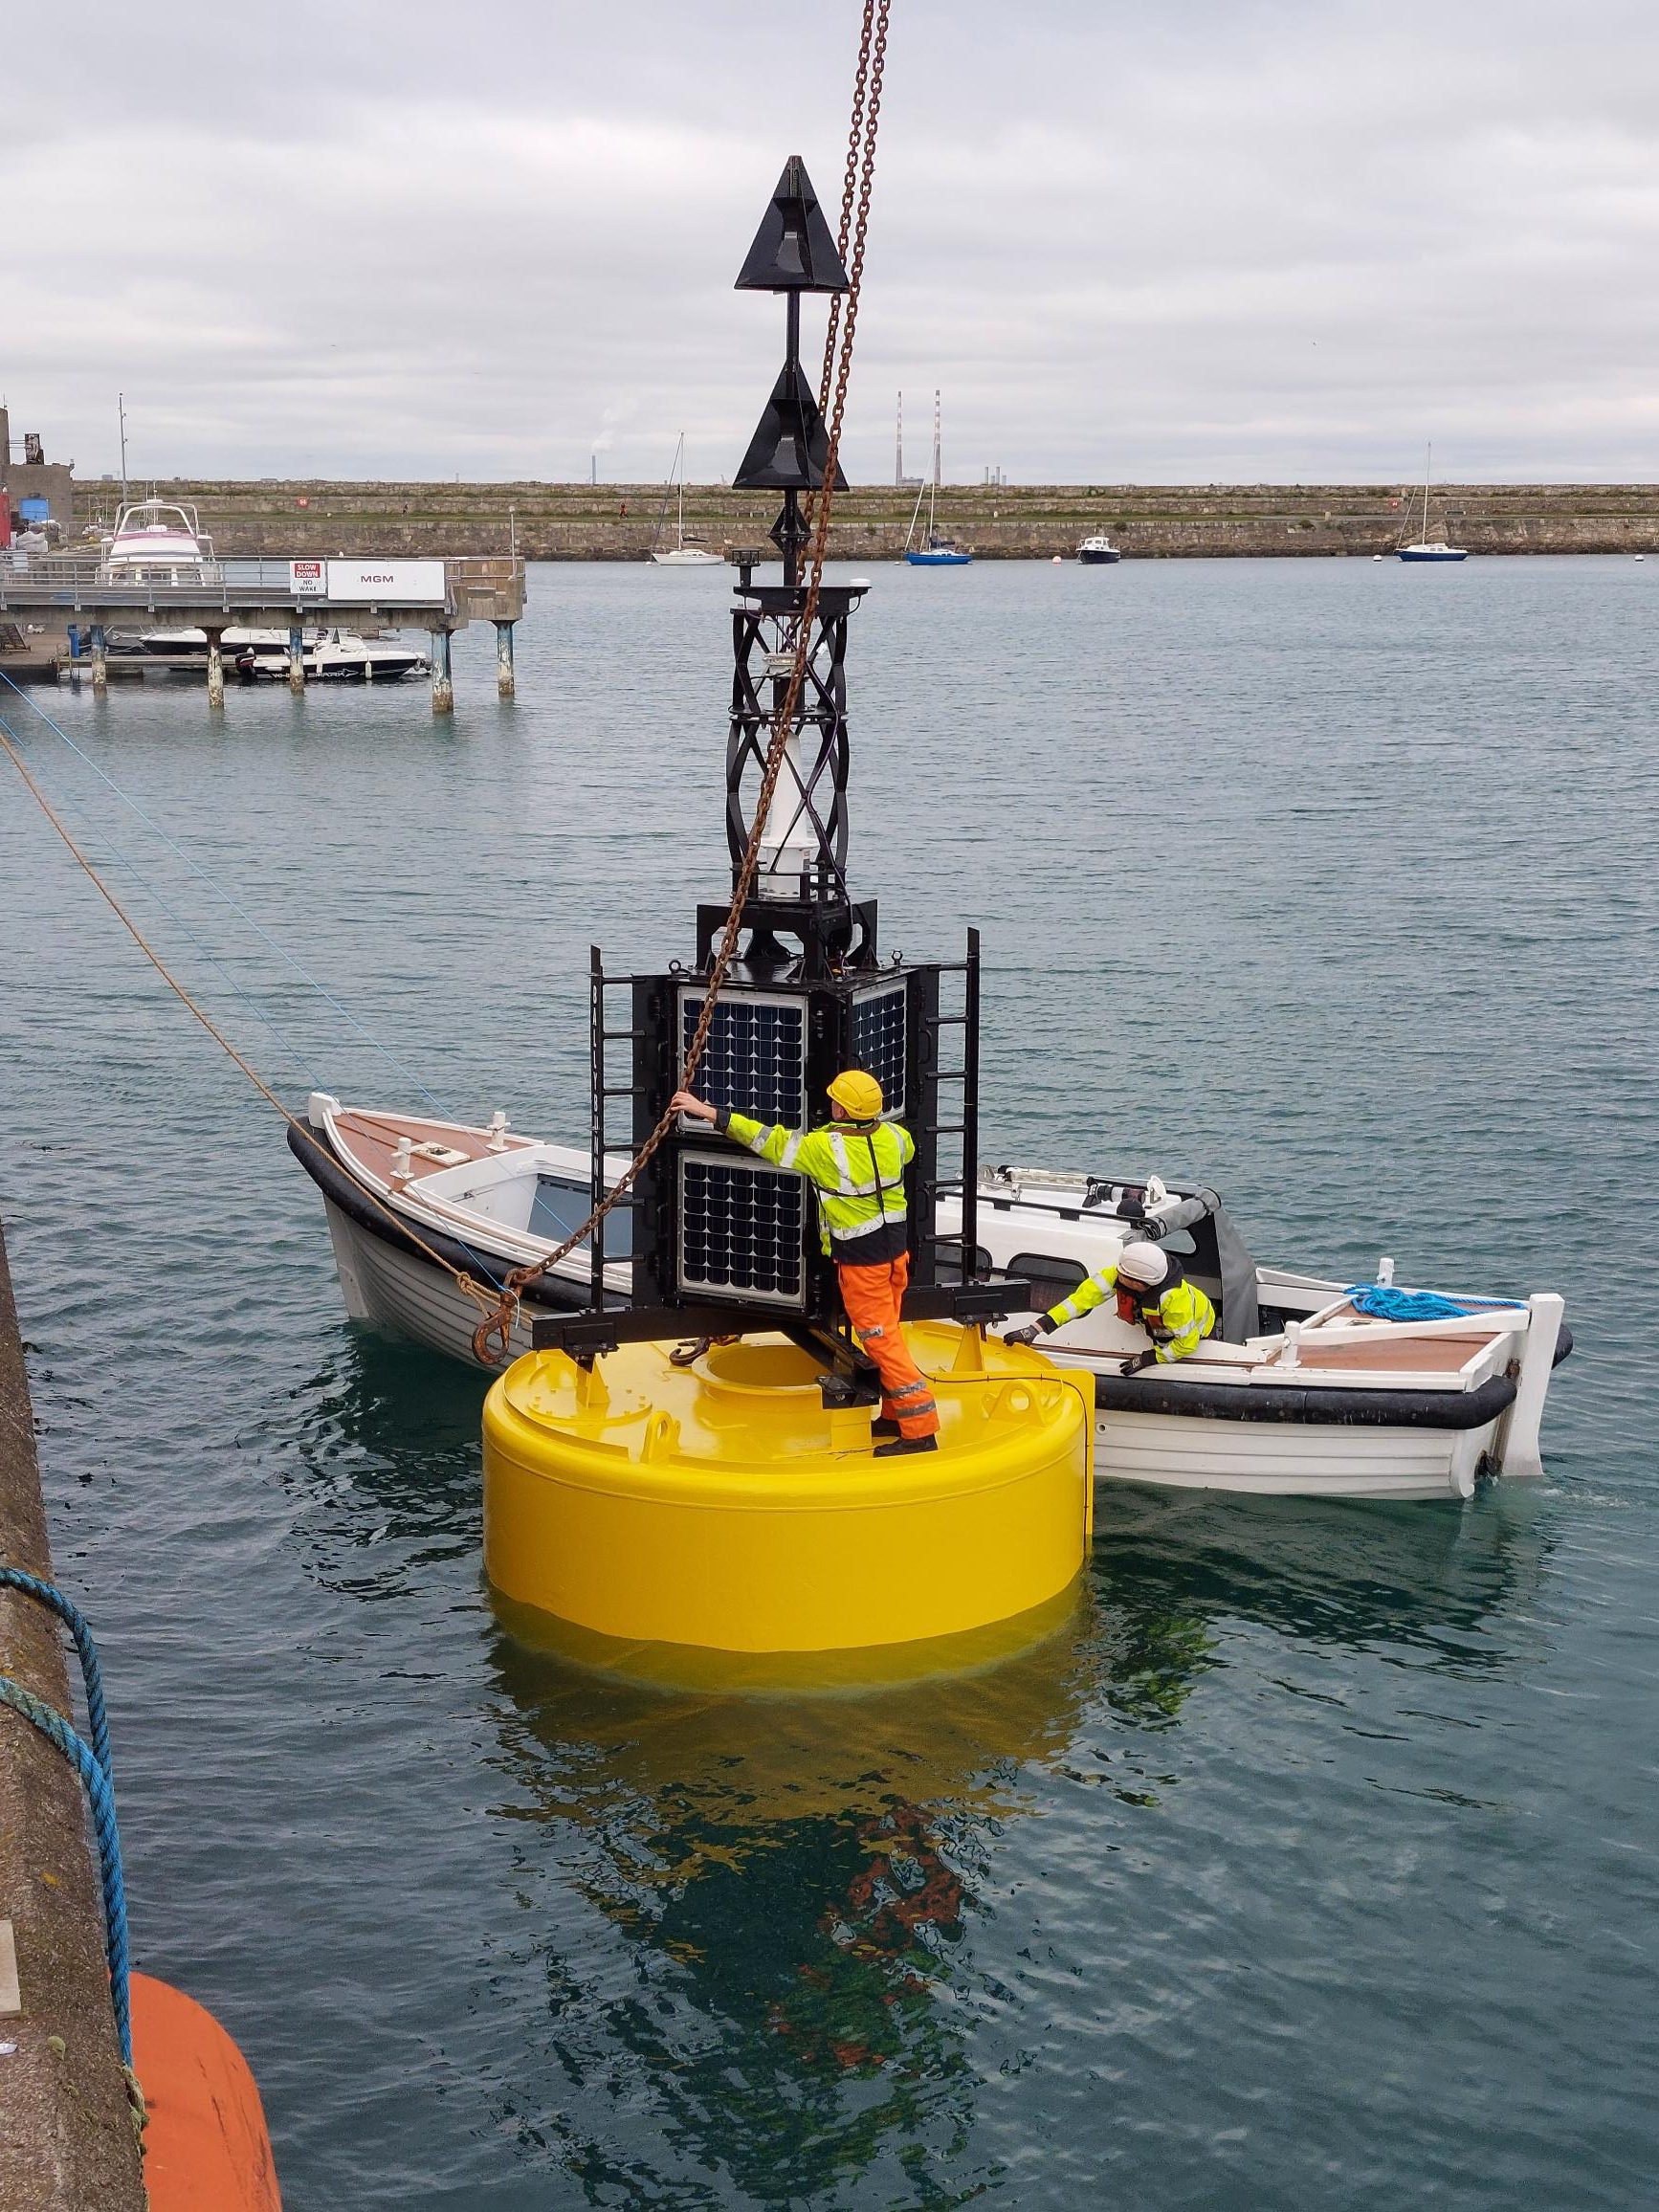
[(1301, 1393), (685, 552), (327, 655), (189, 644), (1428, 548), (158, 541), (343, 656), (1098, 551)]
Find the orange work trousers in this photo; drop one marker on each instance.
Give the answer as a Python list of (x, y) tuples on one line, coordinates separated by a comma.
[(873, 1296)]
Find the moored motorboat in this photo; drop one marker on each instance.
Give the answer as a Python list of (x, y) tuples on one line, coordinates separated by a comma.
[(1097, 551), (343, 656), (1301, 1391), (326, 655), (157, 541), (189, 647)]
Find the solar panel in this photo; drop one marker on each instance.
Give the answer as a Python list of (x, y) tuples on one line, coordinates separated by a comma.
[(756, 1057), (879, 1040), (742, 1229)]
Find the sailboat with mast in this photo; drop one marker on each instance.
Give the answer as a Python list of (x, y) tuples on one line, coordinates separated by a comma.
[(1428, 548), (935, 550), (685, 552)]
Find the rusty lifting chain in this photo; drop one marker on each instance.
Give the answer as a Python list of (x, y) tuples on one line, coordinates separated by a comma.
[(493, 1335)]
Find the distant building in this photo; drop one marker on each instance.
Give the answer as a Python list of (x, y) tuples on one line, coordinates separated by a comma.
[(35, 490)]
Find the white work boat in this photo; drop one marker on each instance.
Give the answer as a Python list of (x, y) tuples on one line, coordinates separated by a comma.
[(1301, 1393), (1097, 551)]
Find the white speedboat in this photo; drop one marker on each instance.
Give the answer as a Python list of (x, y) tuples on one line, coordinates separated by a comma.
[(158, 541), (190, 645), (1302, 1392), (1098, 551), (327, 655), (343, 656)]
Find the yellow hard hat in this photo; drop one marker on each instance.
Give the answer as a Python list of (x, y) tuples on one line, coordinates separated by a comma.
[(857, 1094)]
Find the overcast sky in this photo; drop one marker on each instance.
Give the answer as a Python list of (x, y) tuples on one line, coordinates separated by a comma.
[(1198, 240)]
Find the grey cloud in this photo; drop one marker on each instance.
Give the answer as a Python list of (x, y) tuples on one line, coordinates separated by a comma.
[(1204, 241)]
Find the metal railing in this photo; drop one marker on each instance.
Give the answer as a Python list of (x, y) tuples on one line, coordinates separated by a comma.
[(476, 587)]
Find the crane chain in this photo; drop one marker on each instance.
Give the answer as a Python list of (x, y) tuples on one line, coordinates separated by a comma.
[(849, 190), (493, 1336)]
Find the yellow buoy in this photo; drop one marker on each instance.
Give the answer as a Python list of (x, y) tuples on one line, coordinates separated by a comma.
[(721, 1506)]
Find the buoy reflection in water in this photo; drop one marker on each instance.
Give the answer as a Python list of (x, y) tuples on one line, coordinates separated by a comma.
[(796, 1878)]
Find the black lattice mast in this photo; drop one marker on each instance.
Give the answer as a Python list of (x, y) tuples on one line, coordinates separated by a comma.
[(721, 1243), (801, 884)]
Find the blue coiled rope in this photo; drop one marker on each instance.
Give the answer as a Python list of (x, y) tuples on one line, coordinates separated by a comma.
[(92, 1763), (1384, 1302)]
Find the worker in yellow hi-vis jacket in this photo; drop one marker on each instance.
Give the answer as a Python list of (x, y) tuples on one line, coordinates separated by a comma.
[(1151, 1290), (855, 1163)]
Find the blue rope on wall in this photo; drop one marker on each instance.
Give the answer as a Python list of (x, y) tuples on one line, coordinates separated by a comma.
[(90, 1762), (49, 1595)]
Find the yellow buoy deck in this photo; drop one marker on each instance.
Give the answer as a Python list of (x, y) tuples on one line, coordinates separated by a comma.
[(723, 1506)]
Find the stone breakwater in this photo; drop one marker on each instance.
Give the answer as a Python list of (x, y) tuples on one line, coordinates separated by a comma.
[(1027, 522)]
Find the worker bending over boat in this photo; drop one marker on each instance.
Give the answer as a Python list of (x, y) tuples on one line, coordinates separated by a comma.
[(855, 1163), (1151, 1291)]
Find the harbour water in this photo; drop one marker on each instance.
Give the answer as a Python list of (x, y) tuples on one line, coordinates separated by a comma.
[(1310, 1862)]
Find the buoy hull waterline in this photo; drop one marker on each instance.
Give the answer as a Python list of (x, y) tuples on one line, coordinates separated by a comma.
[(722, 1507)]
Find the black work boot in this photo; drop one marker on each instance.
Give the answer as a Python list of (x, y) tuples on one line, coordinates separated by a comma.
[(882, 1427), (904, 1444)]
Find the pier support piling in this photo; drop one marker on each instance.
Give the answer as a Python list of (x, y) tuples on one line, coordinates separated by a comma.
[(216, 668), (443, 679), (505, 685), (295, 659), (100, 662)]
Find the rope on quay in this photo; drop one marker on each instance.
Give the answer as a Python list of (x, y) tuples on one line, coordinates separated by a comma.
[(215, 885), (486, 1299), (90, 1762), (121, 860)]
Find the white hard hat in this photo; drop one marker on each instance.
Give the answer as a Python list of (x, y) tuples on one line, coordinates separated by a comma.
[(1143, 1263)]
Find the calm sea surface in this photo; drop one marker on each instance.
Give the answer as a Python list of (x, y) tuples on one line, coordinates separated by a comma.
[(1313, 1864)]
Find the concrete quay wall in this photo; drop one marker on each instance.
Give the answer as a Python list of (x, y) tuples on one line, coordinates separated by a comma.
[(67, 2141), (615, 521)]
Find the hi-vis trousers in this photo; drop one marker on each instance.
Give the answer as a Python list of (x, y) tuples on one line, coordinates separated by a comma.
[(873, 1296)]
